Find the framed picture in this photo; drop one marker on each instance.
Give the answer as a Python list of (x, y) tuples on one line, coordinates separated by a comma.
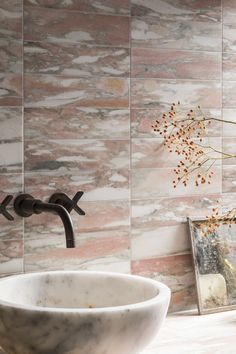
[(214, 259)]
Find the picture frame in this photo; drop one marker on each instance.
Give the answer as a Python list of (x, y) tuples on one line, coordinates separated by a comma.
[(214, 260)]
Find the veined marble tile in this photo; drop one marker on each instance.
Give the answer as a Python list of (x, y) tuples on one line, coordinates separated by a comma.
[(76, 123), (229, 66), (74, 155), (10, 184), (142, 120), (11, 56), (11, 146), (76, 61), (11, 90), (45, 262), (170, 211), (178, 9), (229, 179), (97, 185), (174, 271), (228, 128), (229, 94), (11, 124), (174, 64), (99, 247), (151, 183), (101, 6), (108, 265), (229, 147), (100, 216), (56, 91), (159, 241), (11, 14), (11, 256), (169, 34), (229, 11), (157, 93), (11, 157), (229, 44), (151, 152), (11, 230), (43, 24), (228, 199)]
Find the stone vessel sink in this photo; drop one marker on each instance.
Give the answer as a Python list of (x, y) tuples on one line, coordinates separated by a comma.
[(80, 312)]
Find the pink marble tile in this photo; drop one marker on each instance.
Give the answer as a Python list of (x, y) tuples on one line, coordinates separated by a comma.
[(170, 64), (174, 271), (11, 256), (11, 13), (229, 147), (151, 183), (74, 155), (11, 230), (229, 129), (178, 9), (152, 242), (228, 199), (171, 211), (76, 123), (56, 91), (102, 237), (10, 90), (229, 43), (11, 157), (42, 24), (229, 66), (229, 11), (97, 185), (95, 248), (10, 184), (151, 152), (102, 6), (229, 95), (142, 120), (11, 124), (76, 61), (73, 262), (156, 93), (229, 179), (11, 146), (11, 56), (105, 215), (168, 34)]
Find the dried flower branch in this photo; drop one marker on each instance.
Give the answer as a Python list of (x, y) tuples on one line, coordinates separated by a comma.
[(217, 219), (184, 134)]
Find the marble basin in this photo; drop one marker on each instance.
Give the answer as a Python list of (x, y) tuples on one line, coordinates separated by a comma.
[(74, 312)]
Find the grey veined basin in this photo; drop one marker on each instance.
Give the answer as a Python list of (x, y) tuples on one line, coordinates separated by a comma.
[(72, 312)]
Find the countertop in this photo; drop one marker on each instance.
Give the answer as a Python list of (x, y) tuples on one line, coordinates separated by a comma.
[(189, 333)]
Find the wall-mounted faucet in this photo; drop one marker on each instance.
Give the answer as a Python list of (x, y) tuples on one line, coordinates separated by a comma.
[(26, 205)]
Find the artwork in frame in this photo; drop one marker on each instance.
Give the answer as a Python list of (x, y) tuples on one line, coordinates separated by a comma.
[(214, 259)]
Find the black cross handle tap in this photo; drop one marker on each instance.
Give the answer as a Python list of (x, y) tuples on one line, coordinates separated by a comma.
[(68, 203), (3, 206)]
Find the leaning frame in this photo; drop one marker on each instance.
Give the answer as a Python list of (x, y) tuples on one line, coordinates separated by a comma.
[(201, 308)]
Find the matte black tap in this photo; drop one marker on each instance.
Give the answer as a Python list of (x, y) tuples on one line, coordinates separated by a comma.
[(25, 205)]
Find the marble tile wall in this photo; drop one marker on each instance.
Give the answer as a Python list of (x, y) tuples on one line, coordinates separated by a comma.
[(77, 130), (11, 128), (96, 74)]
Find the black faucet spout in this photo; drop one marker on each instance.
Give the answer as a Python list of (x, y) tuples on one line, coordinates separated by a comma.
[(65, 218), (25, 205)]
